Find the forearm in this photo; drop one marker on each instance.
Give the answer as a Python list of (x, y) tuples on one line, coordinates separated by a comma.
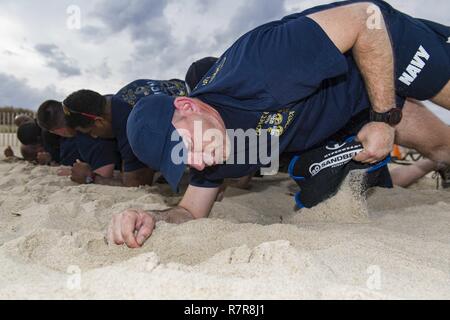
[(138, 178), (176, 215), (375, 59), (115, 182)]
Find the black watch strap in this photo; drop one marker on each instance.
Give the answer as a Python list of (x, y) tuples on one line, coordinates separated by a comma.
[(392, 117)]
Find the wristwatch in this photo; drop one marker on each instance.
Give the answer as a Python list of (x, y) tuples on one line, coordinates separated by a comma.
[(90, 179), (392, 117)]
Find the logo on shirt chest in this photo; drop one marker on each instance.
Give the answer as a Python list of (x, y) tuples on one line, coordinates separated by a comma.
[(415, 67), (275, 123)]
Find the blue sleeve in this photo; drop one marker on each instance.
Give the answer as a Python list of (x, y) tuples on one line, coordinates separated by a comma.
[(97, 152), (69, 152), (132, 164), (52, 145), (54, 152), (197, 179), (130, 161), (296, 57)]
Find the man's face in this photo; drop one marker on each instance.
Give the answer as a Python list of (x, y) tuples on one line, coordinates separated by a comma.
[(101, 129), (65, 132), (29, 152), (204, 136)]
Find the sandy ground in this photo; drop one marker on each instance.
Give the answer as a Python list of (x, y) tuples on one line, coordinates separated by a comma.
[(255, 246)]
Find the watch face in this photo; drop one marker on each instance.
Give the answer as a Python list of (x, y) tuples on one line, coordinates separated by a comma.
[(395, 116)]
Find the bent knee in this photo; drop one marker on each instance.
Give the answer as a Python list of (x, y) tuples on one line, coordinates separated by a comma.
[(443, 97), (438, 153)]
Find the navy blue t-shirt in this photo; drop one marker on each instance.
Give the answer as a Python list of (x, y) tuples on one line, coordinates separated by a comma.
[(122, 104), (62, 150), (52, 144), (120, 110), (69, 151), (97, 152), (287, 77)]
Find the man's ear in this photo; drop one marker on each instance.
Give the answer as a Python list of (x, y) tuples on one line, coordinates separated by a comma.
[(99, 122), (186, 105)]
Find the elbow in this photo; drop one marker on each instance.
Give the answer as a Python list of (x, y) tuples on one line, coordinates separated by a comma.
[(189, 215)]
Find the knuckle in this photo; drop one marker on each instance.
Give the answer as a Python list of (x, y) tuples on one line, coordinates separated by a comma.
[(129, 213), (370, 154), (116, 217), (148, 217)]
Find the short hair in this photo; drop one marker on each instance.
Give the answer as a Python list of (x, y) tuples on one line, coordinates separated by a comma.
[(86, 101), (198, 70), (29, 133), (21, 119), (50, 115)]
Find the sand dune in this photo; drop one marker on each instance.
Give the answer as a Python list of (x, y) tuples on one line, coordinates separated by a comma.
[(255, 246)]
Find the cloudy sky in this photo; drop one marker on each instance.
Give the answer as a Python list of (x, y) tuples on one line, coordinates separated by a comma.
[(47, 52)]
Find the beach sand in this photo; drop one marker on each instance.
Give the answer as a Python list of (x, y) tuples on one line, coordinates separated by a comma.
[(395, 245)]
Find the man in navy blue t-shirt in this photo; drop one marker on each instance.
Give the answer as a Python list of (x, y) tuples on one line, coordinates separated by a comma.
[(106, 117), (54, 149), (80, 151), (298, 82)]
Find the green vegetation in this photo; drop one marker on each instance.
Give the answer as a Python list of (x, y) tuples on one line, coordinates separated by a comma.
[(7, 129), (7, 115)]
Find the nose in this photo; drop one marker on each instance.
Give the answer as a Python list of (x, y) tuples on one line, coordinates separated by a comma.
[(197, 166)]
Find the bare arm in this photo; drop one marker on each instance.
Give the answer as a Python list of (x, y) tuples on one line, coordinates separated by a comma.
[(196, 204), (138, 177), (361, 28), (134, 227), (81, 171), (350, 28), (105, 176), (128, 179), (113, 181), (105, 171)]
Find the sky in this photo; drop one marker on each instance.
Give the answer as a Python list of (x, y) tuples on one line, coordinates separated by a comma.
[(51, 48)]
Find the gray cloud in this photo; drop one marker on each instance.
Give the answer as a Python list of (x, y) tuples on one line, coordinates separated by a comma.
[(58, 60), (18, 93), (142, 19), (251, 14), (9, 53), (146, 24), (156, 52), (103, 70)]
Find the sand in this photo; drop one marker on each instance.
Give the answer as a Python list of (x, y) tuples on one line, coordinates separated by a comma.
[(394, 245)]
